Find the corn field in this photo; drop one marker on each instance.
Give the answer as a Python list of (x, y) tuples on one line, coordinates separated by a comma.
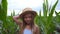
[(48, 24)]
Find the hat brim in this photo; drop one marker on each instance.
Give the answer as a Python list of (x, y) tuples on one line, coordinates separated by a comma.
[(27, 12)]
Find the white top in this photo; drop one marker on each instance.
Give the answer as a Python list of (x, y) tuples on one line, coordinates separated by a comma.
[(27, 31)]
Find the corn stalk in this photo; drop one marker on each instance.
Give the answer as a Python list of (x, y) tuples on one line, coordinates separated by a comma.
[(45, 22)]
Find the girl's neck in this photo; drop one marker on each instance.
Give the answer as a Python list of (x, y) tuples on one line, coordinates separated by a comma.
[(28, 27)]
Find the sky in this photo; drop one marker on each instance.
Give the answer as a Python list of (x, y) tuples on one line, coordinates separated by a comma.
[(19, 5)]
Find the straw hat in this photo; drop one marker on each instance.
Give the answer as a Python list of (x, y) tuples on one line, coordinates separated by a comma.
[(27, 11)]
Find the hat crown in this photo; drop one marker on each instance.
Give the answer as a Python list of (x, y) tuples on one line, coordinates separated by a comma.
[(27, 9)]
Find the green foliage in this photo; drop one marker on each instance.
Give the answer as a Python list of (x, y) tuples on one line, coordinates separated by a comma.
[(47, 23), (3, 14)]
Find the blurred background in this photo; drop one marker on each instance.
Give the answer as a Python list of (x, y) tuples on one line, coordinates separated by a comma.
[(48, 18)]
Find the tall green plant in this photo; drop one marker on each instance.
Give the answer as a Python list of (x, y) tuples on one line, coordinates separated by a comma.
[(3, 13), (45, 22)]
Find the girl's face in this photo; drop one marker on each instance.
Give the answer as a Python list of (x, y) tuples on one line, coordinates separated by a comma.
[(28, 18)]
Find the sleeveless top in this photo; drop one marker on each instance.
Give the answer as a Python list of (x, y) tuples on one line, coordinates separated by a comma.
[(27, 31)]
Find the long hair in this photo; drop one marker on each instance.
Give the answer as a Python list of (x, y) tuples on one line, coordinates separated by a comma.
[(24, 24)]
